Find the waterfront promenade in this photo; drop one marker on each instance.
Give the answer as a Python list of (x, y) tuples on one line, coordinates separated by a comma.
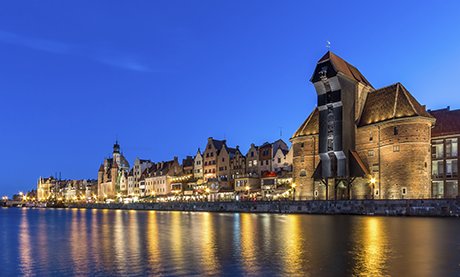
[(429, 207)]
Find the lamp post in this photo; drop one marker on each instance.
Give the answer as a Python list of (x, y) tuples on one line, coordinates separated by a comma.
[(207, 190), (373, 186), (293, 191)]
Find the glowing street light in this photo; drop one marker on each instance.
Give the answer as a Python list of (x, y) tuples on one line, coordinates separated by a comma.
[(373, 181)]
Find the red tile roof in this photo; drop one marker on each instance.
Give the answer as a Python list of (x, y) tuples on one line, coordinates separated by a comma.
[(390, 102), (310, 125), (340, 65), (447, 122)]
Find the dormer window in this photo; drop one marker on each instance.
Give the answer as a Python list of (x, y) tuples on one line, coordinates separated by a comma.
[(322, 73)]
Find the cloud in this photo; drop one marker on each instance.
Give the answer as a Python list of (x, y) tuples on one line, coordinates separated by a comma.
[(35, 43), (57, 47), (125, 63)]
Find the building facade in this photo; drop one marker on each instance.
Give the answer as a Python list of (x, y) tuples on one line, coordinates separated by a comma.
[(444, 153), (361, 142), (113, 175)]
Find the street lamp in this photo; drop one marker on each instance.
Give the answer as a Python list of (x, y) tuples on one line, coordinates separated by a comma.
[(373, 181), (293, 190)]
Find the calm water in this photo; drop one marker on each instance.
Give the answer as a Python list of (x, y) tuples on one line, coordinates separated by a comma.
[(41, 242)]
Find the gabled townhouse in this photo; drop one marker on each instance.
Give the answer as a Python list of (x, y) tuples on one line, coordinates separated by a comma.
[(198, 166), (237, 163), (252, 161), (163, 176), (210, 156)]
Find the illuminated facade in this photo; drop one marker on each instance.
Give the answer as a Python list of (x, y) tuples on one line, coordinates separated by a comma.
[(361, 142), (112, 177), (444, 153)]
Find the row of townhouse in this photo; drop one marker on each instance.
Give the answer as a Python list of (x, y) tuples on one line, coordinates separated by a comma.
[(218, 172), (54, 189)]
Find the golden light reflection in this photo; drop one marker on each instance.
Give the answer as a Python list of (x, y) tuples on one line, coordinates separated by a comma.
[(119, 241), (370, 251), (25, 255), (154, 251), (293, 246), (176, 238), (248, 243), (79, 241), (208, 244)]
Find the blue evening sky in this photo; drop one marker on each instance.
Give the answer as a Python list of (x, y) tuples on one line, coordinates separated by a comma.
[(163, 76)]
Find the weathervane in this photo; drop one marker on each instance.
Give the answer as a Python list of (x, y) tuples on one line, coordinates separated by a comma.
[(328, 44)]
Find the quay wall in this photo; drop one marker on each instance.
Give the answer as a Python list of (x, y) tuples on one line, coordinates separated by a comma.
[(428, 207)]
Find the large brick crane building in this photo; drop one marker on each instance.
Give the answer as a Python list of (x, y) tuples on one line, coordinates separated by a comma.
[(361, 142)]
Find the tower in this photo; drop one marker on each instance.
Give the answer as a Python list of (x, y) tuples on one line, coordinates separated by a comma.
[(116, 152), (341, 90), (114, 177)]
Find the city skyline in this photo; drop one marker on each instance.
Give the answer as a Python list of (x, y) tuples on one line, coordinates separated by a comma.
[(166, 110)]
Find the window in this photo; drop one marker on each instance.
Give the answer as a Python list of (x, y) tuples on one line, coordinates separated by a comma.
[(301, 145), (279, 160), (403, 191), (437, 169), (376, 192), (252, 153), (370, 153), (370, 136), (212, 154), (437, 149), (250, 163), (255, 162), (395, 131), (316, 193), (451, 168), (303, 173), (396, 148), (223, 159), (451, 147)]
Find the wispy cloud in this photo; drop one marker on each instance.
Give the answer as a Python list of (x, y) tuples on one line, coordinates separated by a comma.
[(51, 46), (124, 62), (35, 43)]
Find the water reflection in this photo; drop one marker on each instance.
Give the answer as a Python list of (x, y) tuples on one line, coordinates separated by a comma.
[(249, 237), (107, 243), (209, 260), (293, 246), (25, 248), (370, 251)]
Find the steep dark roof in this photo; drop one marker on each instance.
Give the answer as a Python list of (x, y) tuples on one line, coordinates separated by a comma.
[(447, 122), (188, 161), (218, 143), (310, 126), (389, 103), (279, 144), (340, 65)]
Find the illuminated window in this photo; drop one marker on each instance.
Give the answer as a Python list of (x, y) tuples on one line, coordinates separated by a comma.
[(370, 153), (396, 148)]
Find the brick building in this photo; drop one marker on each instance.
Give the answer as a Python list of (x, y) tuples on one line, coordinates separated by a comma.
[(444, 153), (361, 142)]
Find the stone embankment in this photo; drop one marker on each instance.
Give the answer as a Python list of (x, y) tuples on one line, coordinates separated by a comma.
[(429, 207)]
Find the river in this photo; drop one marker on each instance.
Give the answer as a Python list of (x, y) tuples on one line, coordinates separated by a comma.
[(80, 242)]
